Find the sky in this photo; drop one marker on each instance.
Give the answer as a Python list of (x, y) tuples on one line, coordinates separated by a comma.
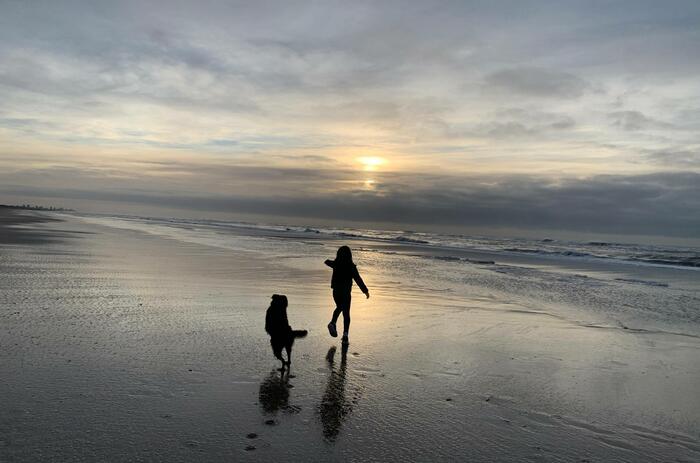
[(572, 116)]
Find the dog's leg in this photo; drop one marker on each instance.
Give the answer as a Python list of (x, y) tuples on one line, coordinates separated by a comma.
[(289, 356), (278, 355), (283, 362)]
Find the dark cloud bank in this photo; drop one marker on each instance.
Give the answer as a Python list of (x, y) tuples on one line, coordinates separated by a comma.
[(663, 204)]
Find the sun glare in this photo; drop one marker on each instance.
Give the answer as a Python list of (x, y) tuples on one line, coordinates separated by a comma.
[(371, 162)]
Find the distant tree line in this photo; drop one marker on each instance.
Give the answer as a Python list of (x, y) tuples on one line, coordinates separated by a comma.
[(33, 207)]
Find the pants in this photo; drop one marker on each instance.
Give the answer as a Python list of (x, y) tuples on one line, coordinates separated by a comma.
[(342, 304)]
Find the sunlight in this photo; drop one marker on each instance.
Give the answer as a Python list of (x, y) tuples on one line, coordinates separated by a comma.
[(371, 162)]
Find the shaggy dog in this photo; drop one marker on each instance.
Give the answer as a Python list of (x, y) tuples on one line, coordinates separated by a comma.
[(281, 334)]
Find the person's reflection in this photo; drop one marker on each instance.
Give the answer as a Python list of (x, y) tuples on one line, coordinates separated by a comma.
[(334, 407), (274, 394)]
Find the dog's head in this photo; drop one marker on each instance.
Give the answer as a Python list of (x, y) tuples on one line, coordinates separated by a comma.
[(279, 300)]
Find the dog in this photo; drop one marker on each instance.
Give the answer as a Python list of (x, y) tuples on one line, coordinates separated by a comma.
[(282, 335)]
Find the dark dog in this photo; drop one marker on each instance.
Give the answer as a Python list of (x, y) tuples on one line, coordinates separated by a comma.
[(277, 326)]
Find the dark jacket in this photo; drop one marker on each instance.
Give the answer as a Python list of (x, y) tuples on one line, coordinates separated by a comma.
[(343, 276)]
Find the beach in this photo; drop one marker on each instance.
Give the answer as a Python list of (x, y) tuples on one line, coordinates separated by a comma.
[(129, 339)]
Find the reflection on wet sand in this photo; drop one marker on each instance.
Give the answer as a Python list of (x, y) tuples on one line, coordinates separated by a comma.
[(334, 406), (274, 394)]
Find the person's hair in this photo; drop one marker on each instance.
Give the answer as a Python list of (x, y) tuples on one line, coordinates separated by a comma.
[(344, 256)]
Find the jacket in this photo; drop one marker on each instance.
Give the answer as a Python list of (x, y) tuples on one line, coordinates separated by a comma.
[(343, 275)]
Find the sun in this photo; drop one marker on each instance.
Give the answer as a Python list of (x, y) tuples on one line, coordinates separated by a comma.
[(371, 162)]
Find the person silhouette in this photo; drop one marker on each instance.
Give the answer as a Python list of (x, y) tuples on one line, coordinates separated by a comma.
[(344, 272)]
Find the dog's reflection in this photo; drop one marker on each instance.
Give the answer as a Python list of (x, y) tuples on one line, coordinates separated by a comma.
[(334, 407), (274, 394)]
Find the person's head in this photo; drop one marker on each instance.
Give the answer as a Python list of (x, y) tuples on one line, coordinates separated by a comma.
[(344, 255)]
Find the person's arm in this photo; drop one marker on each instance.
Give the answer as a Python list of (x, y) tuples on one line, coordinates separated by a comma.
[(358, 279), (330, 263)]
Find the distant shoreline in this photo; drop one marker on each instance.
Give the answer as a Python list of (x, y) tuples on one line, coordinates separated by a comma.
[(29, 207)]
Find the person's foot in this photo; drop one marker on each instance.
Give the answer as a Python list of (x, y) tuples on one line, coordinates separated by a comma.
[(345, 340), (331, 329)]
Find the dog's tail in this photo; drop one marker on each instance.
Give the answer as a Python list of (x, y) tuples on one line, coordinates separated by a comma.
[(299, 333)]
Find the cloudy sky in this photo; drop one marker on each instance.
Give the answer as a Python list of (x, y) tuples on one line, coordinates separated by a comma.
[(556, 115)]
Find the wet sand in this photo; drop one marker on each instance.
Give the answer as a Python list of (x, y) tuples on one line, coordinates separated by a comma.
[(116, 345), (16, 226), (26, 227)]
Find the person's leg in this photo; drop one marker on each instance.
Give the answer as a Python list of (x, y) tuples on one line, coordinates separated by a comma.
[(346, 317), (336, 314), (346, 320), (338, 306)]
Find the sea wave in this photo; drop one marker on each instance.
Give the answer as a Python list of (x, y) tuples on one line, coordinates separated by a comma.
[(405, 239), (633, 254), (671, 258), (551, 253), (642, 282), (691, 261)]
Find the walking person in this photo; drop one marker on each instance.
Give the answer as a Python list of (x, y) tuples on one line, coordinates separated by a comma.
[(344, 272)]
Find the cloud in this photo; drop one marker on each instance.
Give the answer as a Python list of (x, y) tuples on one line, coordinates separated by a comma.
[(176, 77), (675, 158), (255, 107), (654, 204), (635, 120), (521, 122), (538, 82)]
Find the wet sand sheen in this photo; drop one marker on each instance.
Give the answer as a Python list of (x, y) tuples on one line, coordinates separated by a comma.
[(122, 346)]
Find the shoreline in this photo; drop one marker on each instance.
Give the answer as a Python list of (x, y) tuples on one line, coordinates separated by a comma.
[(436, 250)]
